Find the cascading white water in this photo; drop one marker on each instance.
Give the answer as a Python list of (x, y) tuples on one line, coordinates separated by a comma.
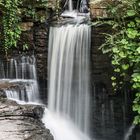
[(129, 132), (28, 92), (21, 68), (69, 47), (21, 71), (70, 5), (83, 6)]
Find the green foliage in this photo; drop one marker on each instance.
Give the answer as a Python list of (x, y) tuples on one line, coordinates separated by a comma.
[(12, 12), (35, 10), (123, 45), (10, 22), (25, 47)]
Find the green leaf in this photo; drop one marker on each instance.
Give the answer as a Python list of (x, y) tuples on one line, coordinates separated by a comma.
[(137, 120), (132, 33), (122, 54), (131, 12), (115, 50), (131, 24), (115, 62), (138, 50), (125, 66), (124, 41), (137, 20), (114, 84), (117, 70), (113, 78)]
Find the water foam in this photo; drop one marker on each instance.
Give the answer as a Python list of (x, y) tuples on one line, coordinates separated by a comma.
[(62, 128)]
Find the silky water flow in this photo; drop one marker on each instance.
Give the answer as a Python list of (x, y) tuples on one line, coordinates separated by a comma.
[(20, 74), (68, 105)]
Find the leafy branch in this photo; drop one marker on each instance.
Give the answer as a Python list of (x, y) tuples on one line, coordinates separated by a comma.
[(10, 22), (123, 46)]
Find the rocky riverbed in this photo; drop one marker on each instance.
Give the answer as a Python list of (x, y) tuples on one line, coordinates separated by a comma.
[(21, 122)]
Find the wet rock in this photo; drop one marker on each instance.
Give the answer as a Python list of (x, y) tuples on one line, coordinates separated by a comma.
[(2, 94), (25, 26), (6, 85), (22, 122)]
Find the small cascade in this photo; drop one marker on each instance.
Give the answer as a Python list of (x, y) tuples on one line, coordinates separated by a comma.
[(21, 72), (79, 15), (69, 49), (21, 68), (83, 6), (70, 5), (129, 132), (27, 90)]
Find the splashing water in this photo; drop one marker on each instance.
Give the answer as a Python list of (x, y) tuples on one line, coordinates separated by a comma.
[(62, 128)]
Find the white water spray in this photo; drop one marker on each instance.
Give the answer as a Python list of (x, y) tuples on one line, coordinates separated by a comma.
[(62, 128)]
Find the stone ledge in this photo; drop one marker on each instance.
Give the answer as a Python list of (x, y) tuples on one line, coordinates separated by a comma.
[(98, 8), (26, 26), (21, 122)]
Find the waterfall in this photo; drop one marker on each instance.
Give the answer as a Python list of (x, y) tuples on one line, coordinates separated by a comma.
[(27, 91), (70, 5), (21, 72), (21, 68), (76, 16), (83, 6), (69, 49), (129, 132)]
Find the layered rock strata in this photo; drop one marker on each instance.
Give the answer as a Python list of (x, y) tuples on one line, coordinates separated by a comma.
[(21, 122)]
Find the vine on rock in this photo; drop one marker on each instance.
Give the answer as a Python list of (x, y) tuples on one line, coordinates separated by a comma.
[(10, 21), (123, 45)]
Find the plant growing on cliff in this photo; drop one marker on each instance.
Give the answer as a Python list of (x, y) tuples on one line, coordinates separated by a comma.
[(10, 23), (123, 45), (35, 10)]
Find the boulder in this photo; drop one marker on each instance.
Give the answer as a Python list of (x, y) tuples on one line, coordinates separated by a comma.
[(22, 122)]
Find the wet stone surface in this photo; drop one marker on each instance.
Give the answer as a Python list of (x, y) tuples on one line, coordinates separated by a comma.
[(21, 122)]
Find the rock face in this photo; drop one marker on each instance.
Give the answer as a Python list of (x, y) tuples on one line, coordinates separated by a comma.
[(21, 122)]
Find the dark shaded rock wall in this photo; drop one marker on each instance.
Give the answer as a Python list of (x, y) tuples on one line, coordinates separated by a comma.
[(41, 43), (36, 37), (101, 68), (41, 34)]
